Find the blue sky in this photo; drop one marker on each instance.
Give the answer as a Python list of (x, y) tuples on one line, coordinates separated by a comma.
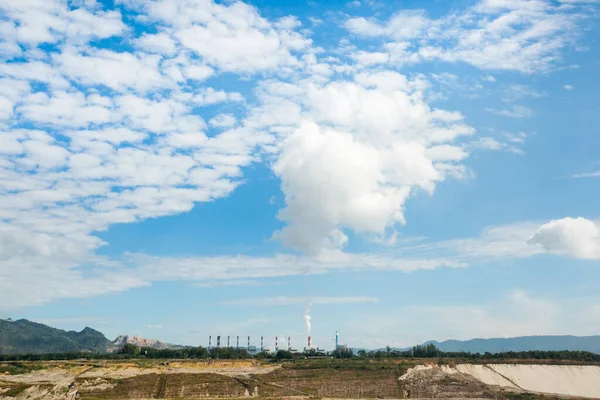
[(398, 171)]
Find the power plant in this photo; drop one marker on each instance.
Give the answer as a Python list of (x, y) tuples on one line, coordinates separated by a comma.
[(255, 350)]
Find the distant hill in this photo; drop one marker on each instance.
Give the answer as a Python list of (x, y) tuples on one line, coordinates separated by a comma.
[(23, 336), (523, 343)]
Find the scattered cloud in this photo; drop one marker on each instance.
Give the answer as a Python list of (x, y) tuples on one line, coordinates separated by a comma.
[(504, 141), (154, 326), (93, 137), (512, 112), (514, 36), (517, 92), (569, 87)]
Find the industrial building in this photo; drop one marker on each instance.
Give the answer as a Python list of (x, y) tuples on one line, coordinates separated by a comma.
[(286, 345)]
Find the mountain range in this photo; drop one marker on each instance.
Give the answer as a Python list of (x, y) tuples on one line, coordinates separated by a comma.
[(27, 337), (523, 343), (23, 336)]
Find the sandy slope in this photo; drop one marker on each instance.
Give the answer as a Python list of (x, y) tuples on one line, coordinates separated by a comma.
[(571, 380)]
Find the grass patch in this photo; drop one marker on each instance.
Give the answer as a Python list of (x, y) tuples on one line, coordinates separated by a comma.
[(18, 368)]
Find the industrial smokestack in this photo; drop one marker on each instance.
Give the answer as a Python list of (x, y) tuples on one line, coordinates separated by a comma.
[(248, 343), (262, 347), (276, 344), (310, 342), (337, 340), (289, 343), (237, 344), (227, 341), (218, 341), (209, 340)]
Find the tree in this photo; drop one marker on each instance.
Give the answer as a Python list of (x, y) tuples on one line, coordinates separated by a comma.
[(284, 355)]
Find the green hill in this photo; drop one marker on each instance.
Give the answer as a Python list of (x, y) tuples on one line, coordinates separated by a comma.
[(23, 336)]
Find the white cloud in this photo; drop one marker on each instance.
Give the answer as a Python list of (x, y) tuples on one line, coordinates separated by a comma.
[(210, 96), (402, 25), (367, 59), (391, 147), (155, 326), (509, 142), (230, 37), (198, 72), (594, 174), (569, 87), (70, 109), (512, 112), (517, 36), (48, 21), (160, 43), (118, 71), (573, 237)]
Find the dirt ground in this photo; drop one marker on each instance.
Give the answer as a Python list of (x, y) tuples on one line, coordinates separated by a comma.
[(178, 379)]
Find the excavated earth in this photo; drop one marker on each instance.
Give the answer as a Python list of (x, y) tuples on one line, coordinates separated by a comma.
[(241, 379)]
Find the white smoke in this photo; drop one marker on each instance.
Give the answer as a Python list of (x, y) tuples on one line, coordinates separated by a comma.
[(306, 316)]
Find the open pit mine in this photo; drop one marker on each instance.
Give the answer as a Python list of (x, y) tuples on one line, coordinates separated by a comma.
[(331, 379)]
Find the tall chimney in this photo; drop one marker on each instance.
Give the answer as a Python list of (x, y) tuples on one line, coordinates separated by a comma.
[(248, 342), (218, 341), (209, 340), (337, 340), (262, 347), (289, 344), (227, 341), (276, 344), (237, 345), (309, 342)]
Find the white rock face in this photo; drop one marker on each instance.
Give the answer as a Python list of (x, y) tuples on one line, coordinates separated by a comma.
[(142, 342), (571, 380)]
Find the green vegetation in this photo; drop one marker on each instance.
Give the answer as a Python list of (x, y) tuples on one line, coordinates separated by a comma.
[(130, 351), (17, 368), (431, 351), (23, 336)]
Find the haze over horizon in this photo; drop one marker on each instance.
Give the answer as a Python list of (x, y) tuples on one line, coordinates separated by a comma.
[(398, 171)]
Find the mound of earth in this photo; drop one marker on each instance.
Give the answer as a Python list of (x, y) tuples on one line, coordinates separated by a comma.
[(432, 382)]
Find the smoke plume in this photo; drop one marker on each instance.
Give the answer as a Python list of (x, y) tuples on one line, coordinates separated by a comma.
[(306, 315)]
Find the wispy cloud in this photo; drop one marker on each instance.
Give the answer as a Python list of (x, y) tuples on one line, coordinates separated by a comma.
[(595, 174), (235, 282), (513, 112), (289, 300), (517, 92), (518, 313)]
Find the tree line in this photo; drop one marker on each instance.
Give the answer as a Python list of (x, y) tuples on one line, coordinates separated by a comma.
[(130, 351)]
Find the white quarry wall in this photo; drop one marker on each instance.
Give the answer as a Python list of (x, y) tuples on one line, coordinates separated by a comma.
[(571, 380)]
